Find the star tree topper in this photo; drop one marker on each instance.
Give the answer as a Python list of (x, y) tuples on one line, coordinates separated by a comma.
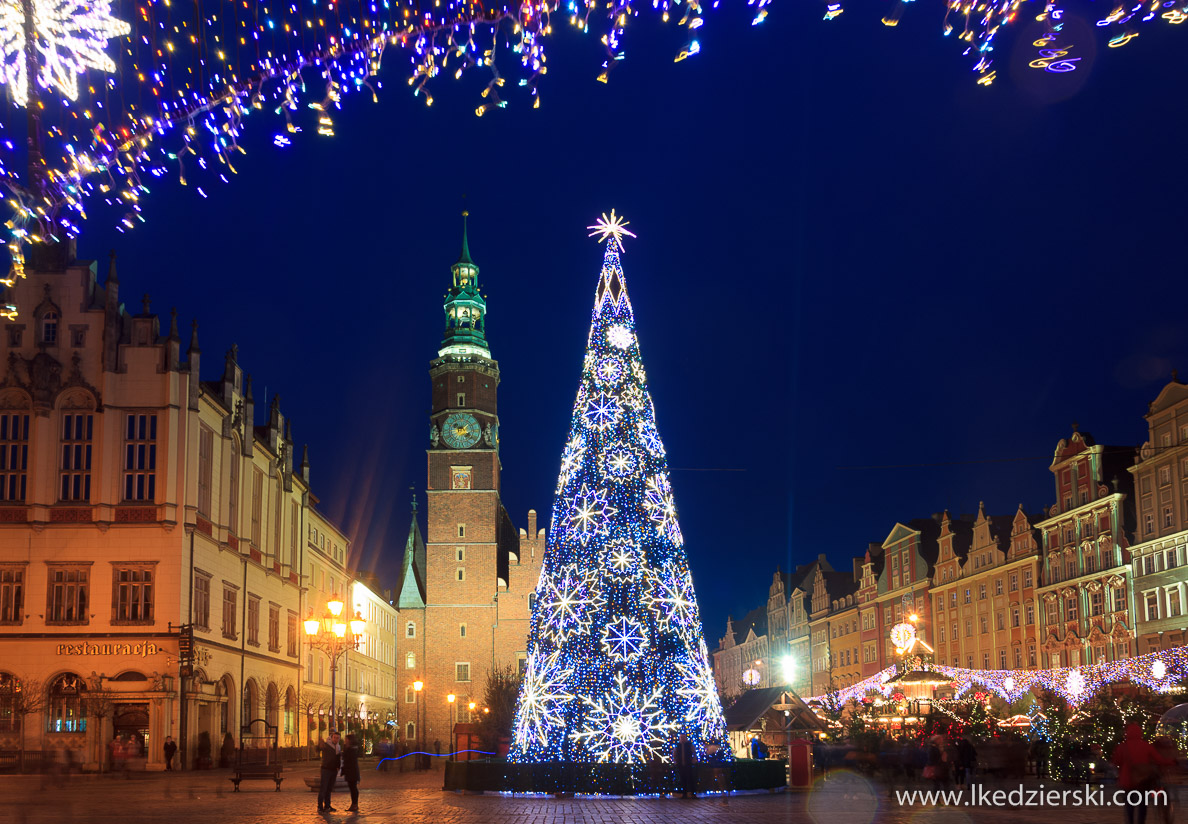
[(611, 228)]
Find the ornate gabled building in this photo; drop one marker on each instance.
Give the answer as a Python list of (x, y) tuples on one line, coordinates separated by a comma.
[(1086, 612), (464, 592), (983, 592), (1160, 555), (834, 640), (138, 500)]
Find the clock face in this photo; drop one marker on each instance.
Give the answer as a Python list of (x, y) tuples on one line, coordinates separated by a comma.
[(461, 430)]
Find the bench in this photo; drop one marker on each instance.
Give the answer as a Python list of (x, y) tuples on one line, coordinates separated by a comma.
[(270, 772)]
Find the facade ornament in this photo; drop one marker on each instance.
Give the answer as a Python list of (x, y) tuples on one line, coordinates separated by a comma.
[(434, 435), (488, 438), (237, 418)]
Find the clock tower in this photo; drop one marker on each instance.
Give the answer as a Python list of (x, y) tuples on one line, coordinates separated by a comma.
[(471, 612)]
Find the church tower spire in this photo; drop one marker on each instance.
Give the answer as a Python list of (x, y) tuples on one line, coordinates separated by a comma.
[(465, 307)]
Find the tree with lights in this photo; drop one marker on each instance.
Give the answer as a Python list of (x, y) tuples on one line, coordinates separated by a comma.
[(617, 663)]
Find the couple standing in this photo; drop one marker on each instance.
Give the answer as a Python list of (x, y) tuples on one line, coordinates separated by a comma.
[(338, 756)]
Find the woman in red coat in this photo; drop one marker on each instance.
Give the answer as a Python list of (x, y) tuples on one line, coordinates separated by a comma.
[(1138, 769)]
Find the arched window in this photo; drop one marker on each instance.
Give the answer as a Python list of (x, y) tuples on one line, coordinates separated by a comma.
[(272, 705), (10, 689), (290, 711), (411, 731), (410, 660), (251, 703), (233, 486), (66, 705)]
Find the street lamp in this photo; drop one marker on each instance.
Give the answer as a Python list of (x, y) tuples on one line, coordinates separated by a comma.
[(451, 698), (417, 687), (334, 635)]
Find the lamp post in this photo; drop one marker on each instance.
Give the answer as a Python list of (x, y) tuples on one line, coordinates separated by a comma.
[(334, 635), (451, 698), (417, 687)]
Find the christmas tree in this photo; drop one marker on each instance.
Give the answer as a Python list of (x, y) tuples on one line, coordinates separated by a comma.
[(617, 663)]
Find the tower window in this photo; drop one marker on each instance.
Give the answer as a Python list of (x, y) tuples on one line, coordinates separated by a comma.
[(461, 553), (461, 399), (49, 328), (461, 630), (461, 574), (461, 530), (461, 379)]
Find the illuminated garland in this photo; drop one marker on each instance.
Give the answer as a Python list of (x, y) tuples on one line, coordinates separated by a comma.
[(1160, 671), (617, 663), (168, 92)]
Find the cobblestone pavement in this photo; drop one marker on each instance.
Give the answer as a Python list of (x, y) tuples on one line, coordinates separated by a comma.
[(417, 798)]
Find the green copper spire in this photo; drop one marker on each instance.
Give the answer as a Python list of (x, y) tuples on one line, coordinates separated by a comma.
[(465, 308)]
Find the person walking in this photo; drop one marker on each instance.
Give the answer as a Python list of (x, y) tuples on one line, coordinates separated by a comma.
[(350, 770), (170, 751), (1138, 766), (331, 762), (684, 756), (967, 757)]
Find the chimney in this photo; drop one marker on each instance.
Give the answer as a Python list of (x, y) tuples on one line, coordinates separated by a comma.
[(194, 355), (249, 417)]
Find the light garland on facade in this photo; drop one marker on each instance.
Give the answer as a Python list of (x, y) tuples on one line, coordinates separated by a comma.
[(617, 661), (1159, 671)]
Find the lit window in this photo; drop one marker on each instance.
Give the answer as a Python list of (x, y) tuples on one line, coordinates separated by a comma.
[(75, 467), (14, 455), (140, 458)]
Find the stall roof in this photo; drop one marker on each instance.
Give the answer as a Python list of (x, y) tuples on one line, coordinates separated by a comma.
[(745, 713)]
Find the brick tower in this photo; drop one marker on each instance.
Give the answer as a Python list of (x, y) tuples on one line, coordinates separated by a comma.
[(475, 586)]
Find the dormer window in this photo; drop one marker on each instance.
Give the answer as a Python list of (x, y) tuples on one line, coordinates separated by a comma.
[(49, 328)]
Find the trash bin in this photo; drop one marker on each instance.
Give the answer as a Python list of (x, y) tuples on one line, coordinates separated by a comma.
[(800, 764)]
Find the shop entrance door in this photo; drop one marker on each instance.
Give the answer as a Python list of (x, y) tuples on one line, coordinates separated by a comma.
[(131, 721)]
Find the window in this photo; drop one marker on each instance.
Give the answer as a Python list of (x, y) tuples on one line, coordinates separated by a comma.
[(1164, 475), (461, 399), (140, 457), (982, 624), (1053, 613), (11, 597), (1170, 559), (985, 660), (1096, 602), (1148, 523), (1173, 603), (14, 455), (1070, 608), (49, 328), (257, 504), (274, 628), (953, 598), (292, 535), (461, 530), (981, 592), (410, 630), (202, 600), (65, 711), (1015, 617), (1168, 518), (1030, 615), (205, 469), (968, 628), (969, 662), (461, 630), (967, 596), (132, 600), (462, 672), (253, 620), (1152, 603), (10, 690), (1000, 620), (1090, 564), (461, 574), (410, 697), (67, 595), (410, 661), (998, 586), (1027, 577), (459, 554), (75, 468), (230, 596), (1031, 655), (1119, 599), (292, 635), (233, 489)]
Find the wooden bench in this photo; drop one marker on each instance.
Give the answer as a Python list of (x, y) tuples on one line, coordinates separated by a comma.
[(270, 772)]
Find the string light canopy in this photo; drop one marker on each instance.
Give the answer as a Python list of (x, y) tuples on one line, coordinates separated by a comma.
[(1161, 671), (164, 89)]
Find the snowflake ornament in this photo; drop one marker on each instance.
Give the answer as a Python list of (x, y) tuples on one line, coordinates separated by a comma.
[(673, 602), (567, 598), (620, 337), (589, 514), (619, 462), (602, 412), (662, 510), (651, 438), (622, 557), (624, 726), (542, 699), (609, 371), (700, 690), (71, 38), (624, 639), (633, 398)]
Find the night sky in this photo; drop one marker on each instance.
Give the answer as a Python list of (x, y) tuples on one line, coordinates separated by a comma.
[(866, 288)]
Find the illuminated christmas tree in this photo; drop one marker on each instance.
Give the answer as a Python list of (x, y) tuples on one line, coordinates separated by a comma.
[(617, 663)]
